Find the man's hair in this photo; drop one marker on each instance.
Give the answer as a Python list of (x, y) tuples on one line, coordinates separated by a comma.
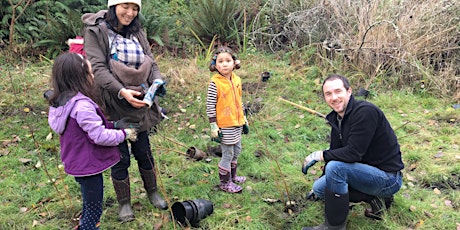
[(112, 20), (332, 77)]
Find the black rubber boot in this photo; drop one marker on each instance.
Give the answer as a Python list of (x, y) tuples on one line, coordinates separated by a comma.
[(150, 185), (122, 189), (336, 212), (376, 203)]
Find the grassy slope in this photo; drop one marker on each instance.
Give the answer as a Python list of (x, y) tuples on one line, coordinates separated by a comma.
[(283, 134)]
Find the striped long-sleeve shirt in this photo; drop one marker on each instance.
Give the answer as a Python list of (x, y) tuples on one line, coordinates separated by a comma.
[(231, 135)]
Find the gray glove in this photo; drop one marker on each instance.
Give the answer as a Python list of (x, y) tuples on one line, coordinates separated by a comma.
[(216, 134), (131, 134)]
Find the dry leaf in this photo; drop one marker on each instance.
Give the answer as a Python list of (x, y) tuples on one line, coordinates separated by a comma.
[(26, 110), (297, 126), (410, 177), (419, 224), (49, 136), (34, 223), (439, 154), (428, 214), (412, 208), (270, 200), (23, 209), (24, 160), (226, 205), (437, 191), (412, 167), (248, 218)]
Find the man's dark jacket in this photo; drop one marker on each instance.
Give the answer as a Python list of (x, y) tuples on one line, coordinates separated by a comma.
[(364, 136)]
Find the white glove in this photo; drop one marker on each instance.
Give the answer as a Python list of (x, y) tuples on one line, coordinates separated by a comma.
[(131, 134), (214, 130), (311, 159)]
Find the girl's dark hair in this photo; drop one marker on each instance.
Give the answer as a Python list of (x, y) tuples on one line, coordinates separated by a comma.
[(70, 75), (112, 20), (223, 49), (332, 77)]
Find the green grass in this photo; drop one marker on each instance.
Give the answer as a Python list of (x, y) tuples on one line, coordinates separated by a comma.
[(39, 195)]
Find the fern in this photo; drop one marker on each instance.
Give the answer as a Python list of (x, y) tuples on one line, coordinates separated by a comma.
[(208, 18)]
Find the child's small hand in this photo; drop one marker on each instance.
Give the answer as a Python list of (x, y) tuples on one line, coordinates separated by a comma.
[(131, 134), (214, 130)]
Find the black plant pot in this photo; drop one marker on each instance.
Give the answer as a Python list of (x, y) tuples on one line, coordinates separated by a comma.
[(265, 76), (190, 212)]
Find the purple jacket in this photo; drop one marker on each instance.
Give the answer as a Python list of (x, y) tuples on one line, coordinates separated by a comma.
[(88, 145)]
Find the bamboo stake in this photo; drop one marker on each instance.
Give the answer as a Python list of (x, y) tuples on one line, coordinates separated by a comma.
[(314, 112)]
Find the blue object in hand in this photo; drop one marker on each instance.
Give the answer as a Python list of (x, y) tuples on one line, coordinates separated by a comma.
[(153, 90)]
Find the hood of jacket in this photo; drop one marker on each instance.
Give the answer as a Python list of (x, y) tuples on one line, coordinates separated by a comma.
[(58, 116), (92, 19)]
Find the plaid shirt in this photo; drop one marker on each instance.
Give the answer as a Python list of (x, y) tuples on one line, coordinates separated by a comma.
[(126, 50)]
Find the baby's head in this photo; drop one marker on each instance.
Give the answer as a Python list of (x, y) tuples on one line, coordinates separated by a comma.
[(223, 49)]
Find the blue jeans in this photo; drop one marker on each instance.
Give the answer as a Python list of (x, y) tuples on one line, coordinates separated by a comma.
[(364, 178), (92, 193)]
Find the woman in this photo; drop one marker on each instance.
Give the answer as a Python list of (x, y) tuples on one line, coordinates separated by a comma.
[(123, 65)]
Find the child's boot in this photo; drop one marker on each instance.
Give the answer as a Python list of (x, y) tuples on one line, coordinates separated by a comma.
[(226, 184), (235, 178)]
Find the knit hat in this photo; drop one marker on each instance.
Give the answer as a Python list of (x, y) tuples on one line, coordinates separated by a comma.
[(116, 2)]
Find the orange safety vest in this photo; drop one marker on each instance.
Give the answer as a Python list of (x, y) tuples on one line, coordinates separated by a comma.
[(229, 110)]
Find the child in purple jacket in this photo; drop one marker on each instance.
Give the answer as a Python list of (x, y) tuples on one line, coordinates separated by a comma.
[(88, 142)]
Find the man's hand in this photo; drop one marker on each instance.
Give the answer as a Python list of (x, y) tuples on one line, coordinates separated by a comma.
[(311, 159), (216, 135), (131, 134)]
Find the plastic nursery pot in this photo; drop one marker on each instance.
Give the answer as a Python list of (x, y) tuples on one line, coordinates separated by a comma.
[(190, 212), (265, 76), (195, 153)]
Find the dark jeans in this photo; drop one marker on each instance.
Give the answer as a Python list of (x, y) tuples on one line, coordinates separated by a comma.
[(92, 191), (141, 152)]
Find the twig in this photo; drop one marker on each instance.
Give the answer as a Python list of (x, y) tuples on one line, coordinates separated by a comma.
[(176, 142), (174, 150), (376, 24)]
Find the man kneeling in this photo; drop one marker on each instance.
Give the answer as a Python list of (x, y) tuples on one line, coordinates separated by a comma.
[(363, 162)]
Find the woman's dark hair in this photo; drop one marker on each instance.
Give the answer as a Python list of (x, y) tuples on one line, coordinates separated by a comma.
[(223, 49), (112, 20), (70, 75), (332, 77)]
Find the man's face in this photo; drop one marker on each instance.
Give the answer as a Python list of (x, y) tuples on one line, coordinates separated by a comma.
[(336, 95)]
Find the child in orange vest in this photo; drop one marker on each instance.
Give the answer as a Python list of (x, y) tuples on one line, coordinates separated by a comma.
[(224, 108)]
